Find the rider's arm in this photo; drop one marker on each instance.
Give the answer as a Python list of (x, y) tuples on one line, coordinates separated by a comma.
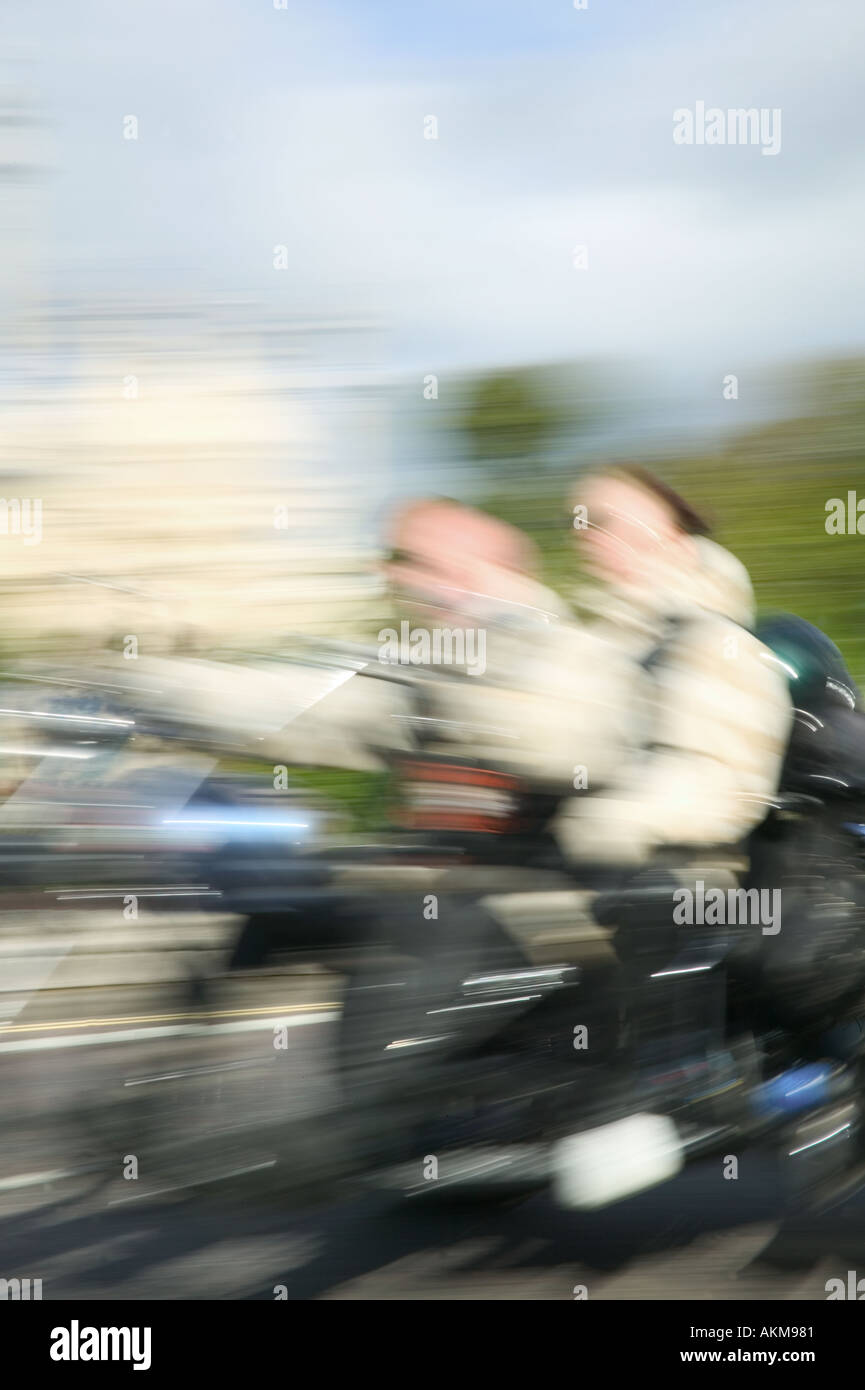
[(357, 724)]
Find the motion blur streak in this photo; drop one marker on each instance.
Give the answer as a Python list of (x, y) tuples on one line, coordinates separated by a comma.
[(430, 598)]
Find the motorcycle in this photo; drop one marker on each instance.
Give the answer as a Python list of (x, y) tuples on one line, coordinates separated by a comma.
[(483, 1066), (478, 1055)]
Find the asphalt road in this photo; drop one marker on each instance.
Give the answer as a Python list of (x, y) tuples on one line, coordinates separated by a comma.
[(91, 1080)]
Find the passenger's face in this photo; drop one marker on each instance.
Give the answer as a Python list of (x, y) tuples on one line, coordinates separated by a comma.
[(628, 532)]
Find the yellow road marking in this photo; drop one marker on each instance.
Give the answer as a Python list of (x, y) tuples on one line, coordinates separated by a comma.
[(273, 1009)]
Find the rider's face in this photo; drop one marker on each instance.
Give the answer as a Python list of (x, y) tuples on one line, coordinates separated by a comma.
[(428, 563), (627, 531)]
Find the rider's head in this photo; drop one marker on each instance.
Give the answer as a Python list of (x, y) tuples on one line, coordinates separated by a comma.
[(632, 527), (455, 559)]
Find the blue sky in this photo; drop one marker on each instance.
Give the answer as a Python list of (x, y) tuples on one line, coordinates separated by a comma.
[(304, 128)]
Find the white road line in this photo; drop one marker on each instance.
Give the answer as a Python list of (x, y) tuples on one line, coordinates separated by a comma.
[(38, 1179), (195, 1071), (197, 1182), (246, 1025)]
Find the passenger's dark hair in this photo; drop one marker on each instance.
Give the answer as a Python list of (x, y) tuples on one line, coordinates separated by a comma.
[(688, 519)]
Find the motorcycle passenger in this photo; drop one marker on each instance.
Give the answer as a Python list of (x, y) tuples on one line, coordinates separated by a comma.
[(713, 715), (710, 715)]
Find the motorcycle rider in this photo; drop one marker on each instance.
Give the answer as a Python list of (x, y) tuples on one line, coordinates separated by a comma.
[(478, 753), (457, 574)]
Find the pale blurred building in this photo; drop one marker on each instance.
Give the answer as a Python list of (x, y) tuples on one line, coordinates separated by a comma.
[(198, 477)]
